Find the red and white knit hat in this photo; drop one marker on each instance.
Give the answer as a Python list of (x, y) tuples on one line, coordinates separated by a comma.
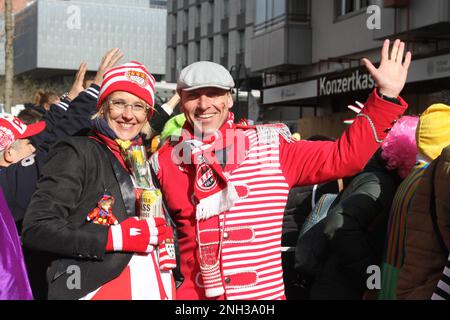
[(131, 77)]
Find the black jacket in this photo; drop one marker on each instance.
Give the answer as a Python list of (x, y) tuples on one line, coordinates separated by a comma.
[(76, 176), (356, 228), (18, 181)]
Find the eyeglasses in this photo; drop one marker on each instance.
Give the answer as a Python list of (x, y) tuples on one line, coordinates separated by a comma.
[(137, 108)]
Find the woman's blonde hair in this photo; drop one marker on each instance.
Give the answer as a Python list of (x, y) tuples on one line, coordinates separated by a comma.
[(146, 130)]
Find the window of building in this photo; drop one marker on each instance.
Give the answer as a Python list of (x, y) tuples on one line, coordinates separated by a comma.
[(158, 3), (298, 11), (197, 51), (184, 56), (261, 9), (241, 42), (276, 13), (241, 6), (345, 7), (225, 46), (198, 15), (210, 50), (226, 8), (224, 53), (210, 12), (267, 10), (185, 19)]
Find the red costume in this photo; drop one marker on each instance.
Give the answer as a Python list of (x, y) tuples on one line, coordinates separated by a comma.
[(248, 235)]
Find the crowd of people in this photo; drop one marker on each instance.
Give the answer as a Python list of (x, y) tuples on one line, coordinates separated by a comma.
[(106, 194)]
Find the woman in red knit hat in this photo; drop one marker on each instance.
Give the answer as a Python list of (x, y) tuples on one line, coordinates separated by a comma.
[(85, 210)]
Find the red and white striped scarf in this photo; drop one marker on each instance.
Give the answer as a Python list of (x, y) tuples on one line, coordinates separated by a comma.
[(213, 193)]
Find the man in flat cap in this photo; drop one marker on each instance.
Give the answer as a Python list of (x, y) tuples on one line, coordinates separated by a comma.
[(226, 185)]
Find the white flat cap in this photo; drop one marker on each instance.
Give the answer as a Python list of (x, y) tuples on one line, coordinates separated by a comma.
[(204, 74)]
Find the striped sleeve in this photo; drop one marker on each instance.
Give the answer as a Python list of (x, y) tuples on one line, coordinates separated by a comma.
[(442, 291)]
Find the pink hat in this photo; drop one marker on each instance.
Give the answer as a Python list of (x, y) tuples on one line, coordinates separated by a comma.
[(12, 129), (131, 77)]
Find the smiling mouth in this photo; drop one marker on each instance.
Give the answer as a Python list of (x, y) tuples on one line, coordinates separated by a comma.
[(204, 116), (126, 125)]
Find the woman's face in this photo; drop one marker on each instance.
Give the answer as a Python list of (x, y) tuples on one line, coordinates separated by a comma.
[(125, 114)]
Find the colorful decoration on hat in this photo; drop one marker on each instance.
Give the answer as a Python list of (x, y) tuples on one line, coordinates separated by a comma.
[(6, 138), (137, 77)]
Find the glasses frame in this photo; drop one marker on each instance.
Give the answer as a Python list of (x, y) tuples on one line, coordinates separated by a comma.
[(132, 105)]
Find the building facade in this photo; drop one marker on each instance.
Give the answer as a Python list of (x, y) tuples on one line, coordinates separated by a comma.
[(328, 74), (52, 37), (213, 30), (307, 54)]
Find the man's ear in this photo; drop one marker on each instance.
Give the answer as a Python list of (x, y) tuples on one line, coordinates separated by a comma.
[(181, 102), (9, 154)]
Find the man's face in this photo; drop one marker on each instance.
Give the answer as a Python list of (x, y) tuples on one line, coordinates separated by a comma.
[(21, 150), (206, 108)]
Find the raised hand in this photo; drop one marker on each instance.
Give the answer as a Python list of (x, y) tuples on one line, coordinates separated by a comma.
[(390, 76), (108, 61), (77, 85)]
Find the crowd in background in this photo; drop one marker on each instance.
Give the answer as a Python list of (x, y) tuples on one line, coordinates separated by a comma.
[(382, 232)]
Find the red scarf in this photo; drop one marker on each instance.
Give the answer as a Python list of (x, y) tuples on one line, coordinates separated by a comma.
[(213, 192)]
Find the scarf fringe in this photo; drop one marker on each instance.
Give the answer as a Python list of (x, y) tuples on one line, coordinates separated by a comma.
[(216, 203), (269, 134)]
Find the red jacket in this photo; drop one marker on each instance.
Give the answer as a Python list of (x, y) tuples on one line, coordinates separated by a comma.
[(251, 248)]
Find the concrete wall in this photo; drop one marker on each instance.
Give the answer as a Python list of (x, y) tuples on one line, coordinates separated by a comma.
[(62, 43), (422, 13), (330, 36)]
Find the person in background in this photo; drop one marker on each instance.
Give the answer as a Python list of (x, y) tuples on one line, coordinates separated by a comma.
[(22, 158), (172, 129), (43, 100), (442, 291), (29, 116), (432, 135), (296, 136), (163, 113), (14, 284), (427, 231), (356, 223)]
